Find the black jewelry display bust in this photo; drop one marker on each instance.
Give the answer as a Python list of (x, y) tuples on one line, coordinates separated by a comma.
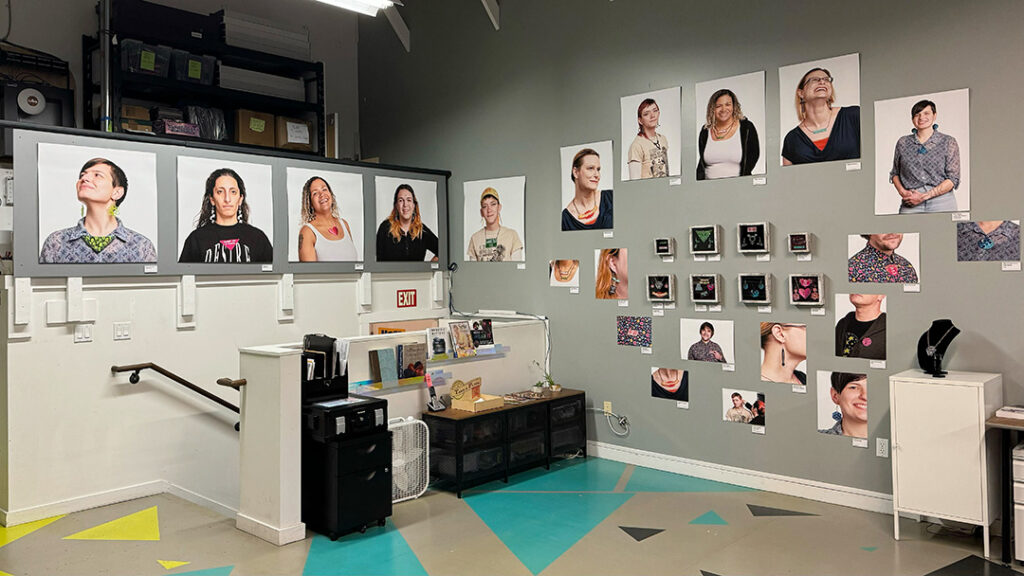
[(932, 345)]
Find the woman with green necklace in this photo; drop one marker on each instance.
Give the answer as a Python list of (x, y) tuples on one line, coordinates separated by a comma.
[(825, 132), (99, 236)]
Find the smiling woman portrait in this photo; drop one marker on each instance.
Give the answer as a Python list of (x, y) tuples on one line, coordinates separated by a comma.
[(325, 236), (403, 236), (824, 132), (728, 144), (590, 207), (223, 234)]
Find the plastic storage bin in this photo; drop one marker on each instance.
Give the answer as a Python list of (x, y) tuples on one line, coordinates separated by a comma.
[(190, 67), (142, 58)]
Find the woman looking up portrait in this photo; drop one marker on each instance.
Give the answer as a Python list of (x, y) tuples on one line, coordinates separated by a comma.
[(825, 132)]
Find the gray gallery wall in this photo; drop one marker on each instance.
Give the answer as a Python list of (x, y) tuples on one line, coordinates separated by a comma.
[(485, 103)]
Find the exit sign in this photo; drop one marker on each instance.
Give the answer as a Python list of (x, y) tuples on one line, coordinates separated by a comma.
[(406, 298)]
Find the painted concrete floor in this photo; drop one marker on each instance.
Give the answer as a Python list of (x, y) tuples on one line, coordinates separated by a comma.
[(585, 517)]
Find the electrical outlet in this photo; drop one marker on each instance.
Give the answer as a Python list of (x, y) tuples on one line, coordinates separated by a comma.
[(882, 447), (607, 407), (122, 330), (83, 333)]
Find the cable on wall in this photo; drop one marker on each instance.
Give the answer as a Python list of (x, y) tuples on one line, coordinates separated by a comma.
[(622, 421)]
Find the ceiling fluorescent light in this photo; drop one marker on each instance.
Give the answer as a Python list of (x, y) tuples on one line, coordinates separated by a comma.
[(368, 7)]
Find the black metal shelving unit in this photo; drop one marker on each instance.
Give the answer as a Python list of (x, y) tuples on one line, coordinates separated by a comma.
[(132, 19)]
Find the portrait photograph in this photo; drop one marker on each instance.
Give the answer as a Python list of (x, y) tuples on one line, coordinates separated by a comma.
[(564, 273), (494, 220), (743, 406), (755, 288), (96, 205), (670, 383), (225, 211), (819, 111), (406, 219), (730, 124), (651, 134), (325, 216), (806, 289), (588, 175), (842, 404), (611, 274), (988, 241), (753, 238), (705, 239), (661, 288), (706, 340), (705, 288), (860, 326), (784, 352), (892, 258), (922, 154), (633, 330)]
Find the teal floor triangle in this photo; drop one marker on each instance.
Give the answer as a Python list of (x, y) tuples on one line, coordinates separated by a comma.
[(869, 548), (577, 475), (651, 480), (554, 524), (378, 552), (222, 571), (709, 517)]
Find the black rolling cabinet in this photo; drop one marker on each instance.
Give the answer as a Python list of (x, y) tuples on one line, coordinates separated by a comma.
[(471, 448), (197, 38), (346, 465)]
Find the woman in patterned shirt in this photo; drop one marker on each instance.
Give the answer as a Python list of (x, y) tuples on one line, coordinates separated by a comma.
[(926, 165)]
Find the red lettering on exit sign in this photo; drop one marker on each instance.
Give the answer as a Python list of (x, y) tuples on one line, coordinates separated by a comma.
[(406, 298)]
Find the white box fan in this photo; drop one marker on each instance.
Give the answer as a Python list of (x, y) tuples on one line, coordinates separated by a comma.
[(410, 465)]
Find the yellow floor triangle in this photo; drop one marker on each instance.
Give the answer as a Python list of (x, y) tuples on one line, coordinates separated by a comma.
[(8, 535), (170, 564), (2, 573), (142, 525)]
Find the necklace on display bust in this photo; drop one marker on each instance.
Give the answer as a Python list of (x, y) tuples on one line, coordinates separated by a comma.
[(929, 349)]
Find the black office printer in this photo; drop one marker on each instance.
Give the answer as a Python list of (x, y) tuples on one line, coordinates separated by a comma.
[(346, 447)]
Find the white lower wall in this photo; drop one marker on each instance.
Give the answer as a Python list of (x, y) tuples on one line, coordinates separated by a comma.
[(79, 436)]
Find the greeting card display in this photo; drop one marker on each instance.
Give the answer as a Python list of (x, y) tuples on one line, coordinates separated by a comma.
[(755, 288), (800, 243), (705, 239), (661, 287), (806, 289), (704, 288), (752, 238)]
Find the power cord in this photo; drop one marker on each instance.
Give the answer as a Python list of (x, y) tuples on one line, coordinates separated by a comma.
[(622, 421)]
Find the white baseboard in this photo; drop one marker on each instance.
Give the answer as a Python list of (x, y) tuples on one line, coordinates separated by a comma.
[(810, 489), (277, 536), (10, 518)]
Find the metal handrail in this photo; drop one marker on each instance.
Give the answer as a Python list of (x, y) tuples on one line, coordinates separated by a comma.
[(136, 368)]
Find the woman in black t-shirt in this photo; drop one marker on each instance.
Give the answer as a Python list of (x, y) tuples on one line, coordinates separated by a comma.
[(403, 236), (223, 233)]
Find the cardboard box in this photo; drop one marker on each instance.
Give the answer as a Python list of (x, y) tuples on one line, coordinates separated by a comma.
[(131, 112), (294, 134), (137, 126), (486, 402), (254, 128)]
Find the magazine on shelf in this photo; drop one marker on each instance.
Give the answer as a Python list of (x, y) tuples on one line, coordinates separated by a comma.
[(462, 339), (439, 343), (482, 334)]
